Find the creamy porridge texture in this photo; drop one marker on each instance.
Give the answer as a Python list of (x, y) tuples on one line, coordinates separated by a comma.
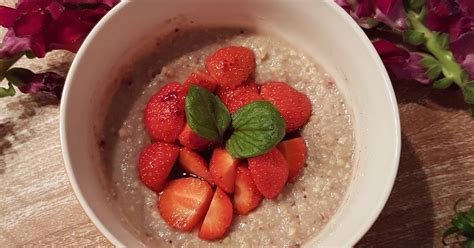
[(302, 209)]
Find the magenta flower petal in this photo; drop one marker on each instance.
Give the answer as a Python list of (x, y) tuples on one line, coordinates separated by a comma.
[(345, 5), (12, 44), (401, 64), (55, 9), (365, 8), (467, 7), (442, 14), (8, 16), (30, 24), (392, 13), (48, 82), (109, 3), (463, 51), (463, 25)]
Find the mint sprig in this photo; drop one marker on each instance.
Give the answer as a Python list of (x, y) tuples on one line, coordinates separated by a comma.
[(254, 129), (463, 224), (257, 128), (207, 116)]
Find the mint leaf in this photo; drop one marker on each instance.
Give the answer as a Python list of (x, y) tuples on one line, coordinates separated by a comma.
[(257, 128), (206, 115)]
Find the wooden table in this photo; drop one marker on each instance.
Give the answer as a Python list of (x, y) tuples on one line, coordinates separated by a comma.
[(38, 207)]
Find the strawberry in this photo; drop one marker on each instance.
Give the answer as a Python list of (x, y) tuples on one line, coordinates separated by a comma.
[(269, 172), (222, 168), (193, 163), (155, 164), (236, 98), (230, 66), (294, 106), (294, 150), (246, 195), (184, 202), (202, 79), (191, 140), (218, 217), (164, 113)]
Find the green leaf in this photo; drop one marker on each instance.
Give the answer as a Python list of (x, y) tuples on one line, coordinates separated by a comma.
[(415, 4), (443, 83), (10, 91), (16, 76), (468, 92), (465, 226), (6, 63), (429, 61), (414, 37), (442, 39), (433, 72), (257, 128), (206, 115)]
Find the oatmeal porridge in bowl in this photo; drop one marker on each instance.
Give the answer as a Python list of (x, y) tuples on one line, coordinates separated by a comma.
[(230, 124)]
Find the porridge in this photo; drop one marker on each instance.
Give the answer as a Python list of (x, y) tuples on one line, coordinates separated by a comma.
[(302, 208)]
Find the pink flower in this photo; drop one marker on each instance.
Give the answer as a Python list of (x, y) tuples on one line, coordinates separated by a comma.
[(368, 12), (40, 26), (401, 64)]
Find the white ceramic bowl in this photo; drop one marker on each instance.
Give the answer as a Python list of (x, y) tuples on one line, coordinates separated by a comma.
[(320, 28)]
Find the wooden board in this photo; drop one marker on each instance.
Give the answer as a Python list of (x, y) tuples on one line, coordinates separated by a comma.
[(38, 207)]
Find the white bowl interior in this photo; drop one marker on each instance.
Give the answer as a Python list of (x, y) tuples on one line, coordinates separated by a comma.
[(319, 28)]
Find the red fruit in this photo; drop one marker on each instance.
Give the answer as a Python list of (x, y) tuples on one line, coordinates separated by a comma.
[(246, 195), (191, 140), (294, 151), (184, 202), (218, 217), (294, 106), (239, 97), (155, 164), (164, 113), (193, 163), (230, 66), (202, 79), (222, 168), (269, 172)]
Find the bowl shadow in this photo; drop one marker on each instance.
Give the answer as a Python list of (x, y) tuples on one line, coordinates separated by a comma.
[(409, 210)]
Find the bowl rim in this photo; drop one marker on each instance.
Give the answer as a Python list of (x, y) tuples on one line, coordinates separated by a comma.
[(355, 237)]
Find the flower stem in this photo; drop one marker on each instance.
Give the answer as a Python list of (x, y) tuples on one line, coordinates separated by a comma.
[(5, 64), (450, 68)]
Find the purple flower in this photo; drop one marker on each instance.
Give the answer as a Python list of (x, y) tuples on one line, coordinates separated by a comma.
[(28, 82), (401, 64), (40, 26), (368, 12)]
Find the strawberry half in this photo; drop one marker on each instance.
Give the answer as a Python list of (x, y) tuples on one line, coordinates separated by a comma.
[(155, 164), (191, 140), (193, 163), (294, 151), (246, 195), (218, 217), (222, 168), (269, 172), (202, 79), (236, 98), (164, 113), (231, 66), (294, 106), (184, 202)]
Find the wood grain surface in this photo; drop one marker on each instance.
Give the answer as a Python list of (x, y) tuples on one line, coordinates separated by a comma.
[(38, 207)]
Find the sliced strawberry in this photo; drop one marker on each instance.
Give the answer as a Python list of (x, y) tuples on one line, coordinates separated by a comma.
[(246, 195), (193, 163), (294, 106), (222, 168), (239, 97), (218, 217), (184, 202), (231, 66), (164, 113), (269, 172), (202, 79), (191, 140), (294, 150), (155, 164)]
